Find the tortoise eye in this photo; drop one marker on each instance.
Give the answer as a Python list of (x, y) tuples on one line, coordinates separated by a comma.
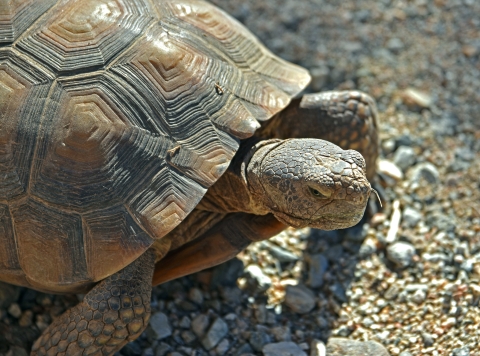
[(317, 193)]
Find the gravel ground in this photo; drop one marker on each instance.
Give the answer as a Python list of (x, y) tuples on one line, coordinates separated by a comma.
[(408, 278)]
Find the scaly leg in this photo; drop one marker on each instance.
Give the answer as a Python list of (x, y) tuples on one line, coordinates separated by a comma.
[(219, 244), (113, 313), (345, 118)]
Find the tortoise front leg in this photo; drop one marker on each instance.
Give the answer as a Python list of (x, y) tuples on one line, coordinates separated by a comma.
[(345, 118), (113, 313), (219, 244)]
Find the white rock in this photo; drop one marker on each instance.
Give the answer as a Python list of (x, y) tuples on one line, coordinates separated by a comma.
[(390, 169), (286, 348)]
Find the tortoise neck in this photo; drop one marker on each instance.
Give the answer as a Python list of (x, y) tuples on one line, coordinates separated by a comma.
[(236, 190)]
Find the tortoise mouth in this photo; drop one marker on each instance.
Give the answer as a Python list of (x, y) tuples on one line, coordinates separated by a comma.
[(323, 222)]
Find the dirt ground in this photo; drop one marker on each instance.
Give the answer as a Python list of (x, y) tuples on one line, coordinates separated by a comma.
[(409, 278)]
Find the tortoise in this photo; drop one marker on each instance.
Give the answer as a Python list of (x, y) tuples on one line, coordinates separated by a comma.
[(142, 140)]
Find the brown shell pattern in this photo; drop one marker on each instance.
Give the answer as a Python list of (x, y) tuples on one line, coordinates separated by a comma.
[(115, 117)]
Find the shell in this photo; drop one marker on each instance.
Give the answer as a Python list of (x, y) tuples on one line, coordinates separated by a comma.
[(115, 118)]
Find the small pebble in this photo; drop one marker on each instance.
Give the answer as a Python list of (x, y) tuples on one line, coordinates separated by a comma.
[(411, 216), (286, 348), (343, 347), (258, 339), (196, 296), (200, 324), (256, 273), (463, 351), (317, 348), (159, 327), (391, 170), (404, 157), (217, 331), (401, 253), (318, 265), (14, 310), (427, 339), (414, 98), (426, 171), (300, 299)]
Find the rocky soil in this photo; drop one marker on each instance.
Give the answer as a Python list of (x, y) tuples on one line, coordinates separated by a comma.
[(405, 282)]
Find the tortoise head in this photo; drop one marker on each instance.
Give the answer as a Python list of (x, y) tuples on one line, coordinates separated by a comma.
[(309, 182)]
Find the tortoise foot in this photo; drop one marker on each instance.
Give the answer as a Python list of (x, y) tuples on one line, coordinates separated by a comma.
[(113, 313)]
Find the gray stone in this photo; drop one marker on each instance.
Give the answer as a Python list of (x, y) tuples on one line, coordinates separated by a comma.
[(404, 157), (334, 253), (161, 349), (411, 216), (458, 166), (424, 170), (318, 265), (258, 339), (286, 348), (185, 322), (196, 296), (465, 154), (281, 254), (261, 314), (441, 221), (159, 327), (418, 297), (342, 347), (405, 353), (367, 322), (463, 351), (148, 352), (427, 339), (338, 291), (321, 322), (231, 294), (217, 331), (401, 253), (222, 347), (188, 336), (200, 324), (243, 350), (395, 44), (281, 333), (300, 299)]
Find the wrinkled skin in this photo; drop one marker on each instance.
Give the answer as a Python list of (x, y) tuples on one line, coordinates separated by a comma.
[(309, 182)]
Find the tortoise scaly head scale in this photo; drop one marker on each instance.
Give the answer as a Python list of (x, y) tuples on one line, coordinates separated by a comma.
[(309, 182)]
